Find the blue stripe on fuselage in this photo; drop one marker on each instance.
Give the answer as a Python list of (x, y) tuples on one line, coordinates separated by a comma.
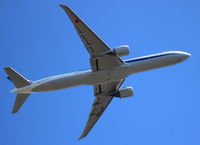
[(147, 58)]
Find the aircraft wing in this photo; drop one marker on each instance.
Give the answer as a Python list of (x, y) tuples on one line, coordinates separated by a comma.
[(100, 103), (99, 60), (94, 45)]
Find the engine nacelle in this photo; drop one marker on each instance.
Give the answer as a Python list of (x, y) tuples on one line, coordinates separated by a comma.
[(121, 51), (125, 92)]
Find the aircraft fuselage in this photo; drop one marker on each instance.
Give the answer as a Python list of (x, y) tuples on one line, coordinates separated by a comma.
[(88, 77)]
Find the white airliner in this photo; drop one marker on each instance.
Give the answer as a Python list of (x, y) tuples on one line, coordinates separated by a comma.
[(108, 72)]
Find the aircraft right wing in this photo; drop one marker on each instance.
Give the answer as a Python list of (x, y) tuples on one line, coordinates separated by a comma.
[(94, 45), (92, 42)]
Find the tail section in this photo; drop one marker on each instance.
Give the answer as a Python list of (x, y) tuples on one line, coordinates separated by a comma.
[(19, 81), (20, 99)]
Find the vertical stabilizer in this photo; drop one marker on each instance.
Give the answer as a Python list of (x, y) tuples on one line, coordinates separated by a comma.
[(19, 81)]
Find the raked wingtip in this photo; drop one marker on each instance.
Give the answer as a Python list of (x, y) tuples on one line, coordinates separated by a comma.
[(81, 137)]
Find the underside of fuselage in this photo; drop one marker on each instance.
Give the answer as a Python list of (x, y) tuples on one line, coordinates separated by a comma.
[(131, 66)]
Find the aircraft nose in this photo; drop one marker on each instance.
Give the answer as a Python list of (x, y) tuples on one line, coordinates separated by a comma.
[(185, 55), (182, 56)]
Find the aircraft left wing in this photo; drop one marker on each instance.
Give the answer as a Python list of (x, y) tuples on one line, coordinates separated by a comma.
[(100, 104)]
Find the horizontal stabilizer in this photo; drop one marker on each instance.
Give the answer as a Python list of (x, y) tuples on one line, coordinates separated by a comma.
[(20, 99)]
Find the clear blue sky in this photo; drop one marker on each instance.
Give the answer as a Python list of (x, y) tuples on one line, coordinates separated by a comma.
[(38, 40)]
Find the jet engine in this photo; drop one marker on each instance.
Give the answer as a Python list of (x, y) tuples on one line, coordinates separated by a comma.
[(125, 92), (121, 51)]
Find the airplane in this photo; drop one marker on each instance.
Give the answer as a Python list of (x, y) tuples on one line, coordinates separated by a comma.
[(107, 74)]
